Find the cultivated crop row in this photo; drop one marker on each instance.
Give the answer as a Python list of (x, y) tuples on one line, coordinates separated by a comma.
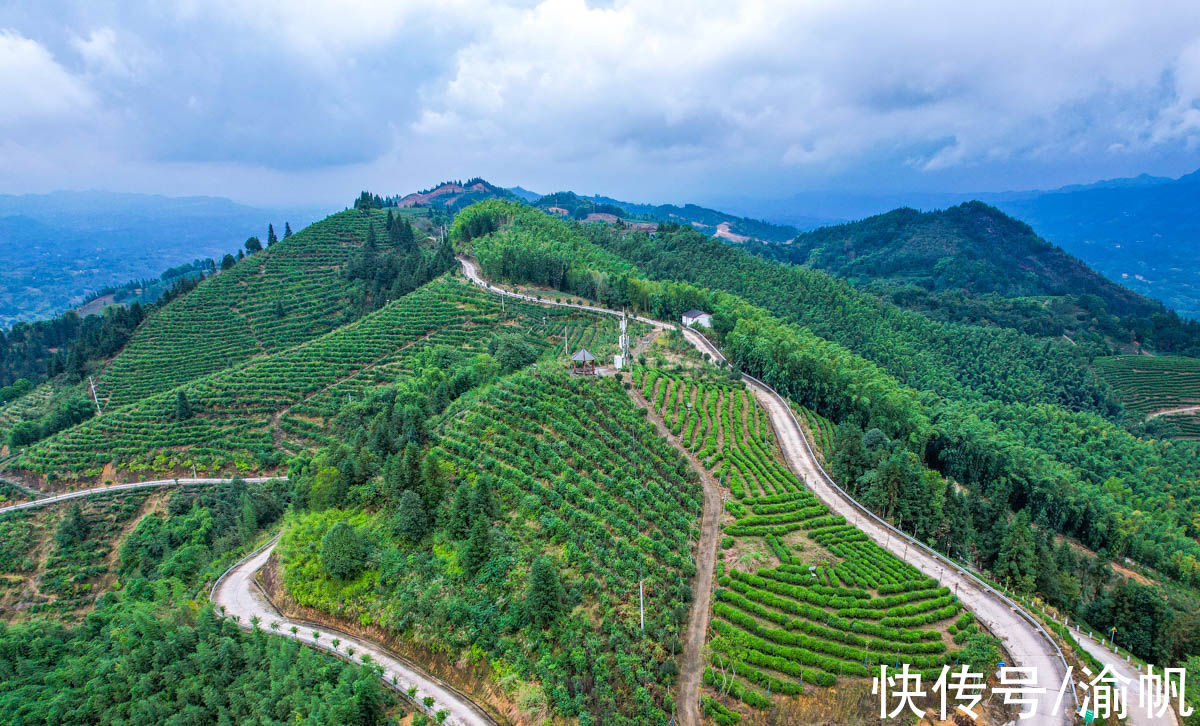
[(820, 601)]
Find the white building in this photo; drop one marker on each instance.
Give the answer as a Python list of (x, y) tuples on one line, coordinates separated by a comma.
[(697, 317)]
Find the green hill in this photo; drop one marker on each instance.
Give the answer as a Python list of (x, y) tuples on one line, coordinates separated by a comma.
[(537, 478), (247, 418), (289, 293), (974, 263)]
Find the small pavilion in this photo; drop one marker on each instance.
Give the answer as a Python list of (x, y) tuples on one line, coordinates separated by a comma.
[(583, 363)]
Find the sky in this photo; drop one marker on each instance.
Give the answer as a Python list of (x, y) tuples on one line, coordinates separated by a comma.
[(307, 101)]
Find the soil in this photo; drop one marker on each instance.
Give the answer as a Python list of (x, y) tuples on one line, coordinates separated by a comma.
[(691, 672)]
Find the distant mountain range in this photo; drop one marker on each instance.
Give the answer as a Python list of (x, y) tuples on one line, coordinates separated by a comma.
[(454, 195), (60, 247), (1143, 232)]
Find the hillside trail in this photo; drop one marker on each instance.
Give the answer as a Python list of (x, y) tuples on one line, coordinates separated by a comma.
[(1173, 411), (691, 675), (1026, 642)]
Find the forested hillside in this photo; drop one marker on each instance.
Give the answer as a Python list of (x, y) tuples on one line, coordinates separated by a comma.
[(293, 291), (972, 263), (1004, 414), (516, 525), (100, 622)]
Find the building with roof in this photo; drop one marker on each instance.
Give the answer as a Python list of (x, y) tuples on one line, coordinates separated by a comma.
[(697, 317), (583, 363)]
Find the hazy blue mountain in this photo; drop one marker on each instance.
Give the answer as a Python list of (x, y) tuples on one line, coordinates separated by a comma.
[(1143, 232), (59, 247)]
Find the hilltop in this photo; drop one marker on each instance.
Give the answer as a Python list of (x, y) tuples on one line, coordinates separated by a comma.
[(972, 262), (453, 196)]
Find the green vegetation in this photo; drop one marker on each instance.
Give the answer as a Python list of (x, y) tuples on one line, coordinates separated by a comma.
[(146, 652), (549, 498), (1148, 384), (244, 416), (972, 263), (233, 316), (1019, 421), (832, 603)]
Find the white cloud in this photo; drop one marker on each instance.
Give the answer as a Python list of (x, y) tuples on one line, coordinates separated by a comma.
[(810, 83), (628, 96), (33, 86)]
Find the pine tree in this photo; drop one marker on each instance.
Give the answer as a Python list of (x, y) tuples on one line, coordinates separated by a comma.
[(483, 502), (1017, 561), (342, 551), (183, 407), (249, 518), (287, 230), (459, 519), (544, 601), (228, 261), (73, 528), (479, 546), (410, 465), (410, 521), (271, 238)]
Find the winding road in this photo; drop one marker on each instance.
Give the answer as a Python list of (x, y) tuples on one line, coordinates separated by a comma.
[(1025, 640), (240, 596)]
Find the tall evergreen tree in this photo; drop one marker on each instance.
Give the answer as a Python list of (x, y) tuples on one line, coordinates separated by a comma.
[(271, 238), (183, 407), (479, 546), (342, 551), (73, 528), (483, 502), (1017, 561), (458, 521), (287, 230), (248, 518), (410, 521), (545, 598)]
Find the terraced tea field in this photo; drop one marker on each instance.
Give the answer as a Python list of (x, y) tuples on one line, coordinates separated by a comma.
[(246, 417), (1149, 385), (804, 598), (273, 300), (582, 478), (41, 576)]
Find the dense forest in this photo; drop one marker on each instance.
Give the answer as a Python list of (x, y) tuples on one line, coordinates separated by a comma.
[(1005, 414)]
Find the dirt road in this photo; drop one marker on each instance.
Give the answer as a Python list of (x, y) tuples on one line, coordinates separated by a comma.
[(1023, 639)]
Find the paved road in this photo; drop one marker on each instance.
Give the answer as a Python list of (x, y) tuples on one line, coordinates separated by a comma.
[(1174, 411), (240, 595), (157, 483), (1023, 639), (1137, 713)]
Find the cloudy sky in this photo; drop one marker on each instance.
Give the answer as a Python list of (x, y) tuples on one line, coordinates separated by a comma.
[(309, 101)]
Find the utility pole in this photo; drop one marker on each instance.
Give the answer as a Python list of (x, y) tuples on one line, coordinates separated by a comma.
[(642, 603), (94, 396)]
